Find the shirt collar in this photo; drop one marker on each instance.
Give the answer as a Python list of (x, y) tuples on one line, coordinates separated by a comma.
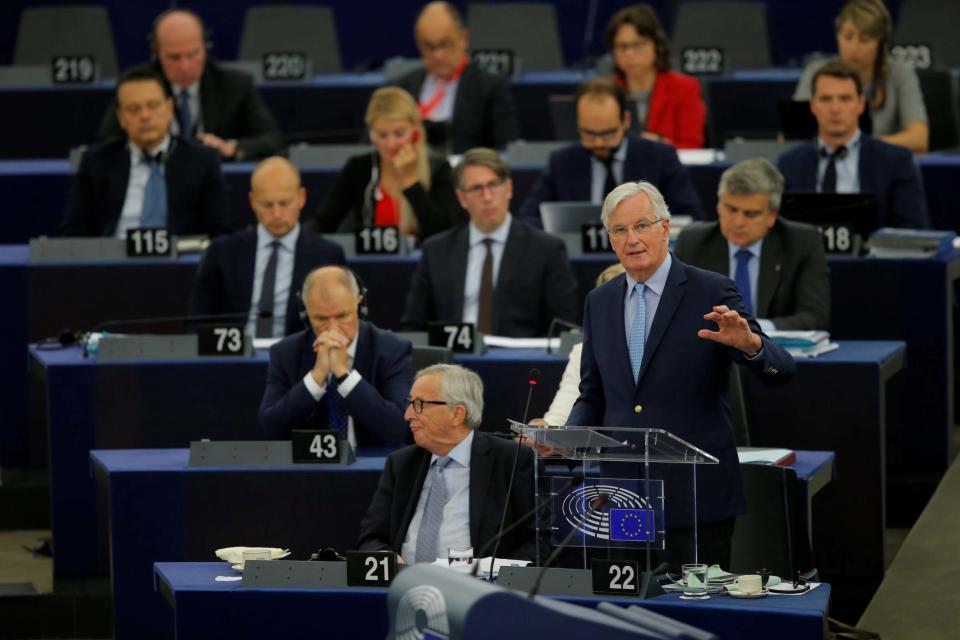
[(754, 248), (136, 153), (461, 452), (620, 155), (658, 281), (288, 242), (498, 235), (193, 90), (851, 144)]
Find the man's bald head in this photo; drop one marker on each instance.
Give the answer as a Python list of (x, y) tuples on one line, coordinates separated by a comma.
[(276, 195), (332, 298), (178, 42), (441, 38)]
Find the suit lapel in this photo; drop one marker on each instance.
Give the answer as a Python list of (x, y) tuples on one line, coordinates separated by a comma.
[(669, 301), (414, 498), (174, 176), (509, 265), (117, 192), (865, 167), (717, 254), (363, 356), (301, 264), (480, 470), (768, 278), (246, 261), (457, 272), (209, 103), (581, 180)]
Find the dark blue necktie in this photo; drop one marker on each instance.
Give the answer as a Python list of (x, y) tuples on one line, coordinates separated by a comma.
[(339, 420), (184, 116), (742, 278)]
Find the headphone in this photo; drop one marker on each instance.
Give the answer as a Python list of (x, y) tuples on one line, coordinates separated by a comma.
[(363, 310), (152, 34)]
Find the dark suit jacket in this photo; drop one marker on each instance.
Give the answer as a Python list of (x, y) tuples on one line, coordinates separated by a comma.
[(224, 282), (886, 170), (567, 177), (230, 107), (683, 382), (350, 198), (376, 404), (196, 191), (793, 288), (535, 283), (483, 111), (491, 460)]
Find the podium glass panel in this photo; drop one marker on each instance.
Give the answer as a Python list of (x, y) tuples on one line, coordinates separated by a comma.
[(607, 488)]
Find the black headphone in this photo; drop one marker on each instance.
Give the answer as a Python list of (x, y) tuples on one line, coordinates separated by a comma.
[(363, 310)]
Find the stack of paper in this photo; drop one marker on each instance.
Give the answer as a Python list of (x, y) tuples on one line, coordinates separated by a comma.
[(804, 344), (909, 243)]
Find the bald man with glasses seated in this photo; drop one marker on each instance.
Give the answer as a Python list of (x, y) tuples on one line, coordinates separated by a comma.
[(607, 155)]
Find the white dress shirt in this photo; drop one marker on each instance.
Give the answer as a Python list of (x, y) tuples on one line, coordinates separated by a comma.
[(455, 527), (444, 109), (284, 277), (136, 185), (848, 169), (475, 257)]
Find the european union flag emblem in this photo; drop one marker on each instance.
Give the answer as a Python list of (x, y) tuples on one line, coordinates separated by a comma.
[(632, 524)]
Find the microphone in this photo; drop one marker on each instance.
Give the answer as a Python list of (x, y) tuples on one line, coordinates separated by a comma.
[(532, 376), (100, 326), (595, 505), (562, 323), (572, 483)]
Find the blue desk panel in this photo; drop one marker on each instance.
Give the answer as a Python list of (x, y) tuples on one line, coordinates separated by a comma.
[(203, 608), (36, 192), (168, 404), (160, 510)]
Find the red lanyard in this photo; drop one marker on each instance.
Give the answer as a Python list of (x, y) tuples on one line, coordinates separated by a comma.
[(426, 108)]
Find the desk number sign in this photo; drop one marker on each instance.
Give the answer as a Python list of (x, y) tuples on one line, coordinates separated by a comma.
[(284, 65), (313, 446), (619, 577), (371, 568), (594, 238), (839, 238), (73, 69), (220, 340), (459, 337), (148, 243), (374, 240)]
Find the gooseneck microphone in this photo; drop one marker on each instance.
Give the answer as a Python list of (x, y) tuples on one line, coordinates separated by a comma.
[(100, 326), (571, 484), (532, 376), (595, 505)]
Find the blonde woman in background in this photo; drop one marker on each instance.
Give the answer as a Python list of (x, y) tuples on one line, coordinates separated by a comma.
[(398, 183)]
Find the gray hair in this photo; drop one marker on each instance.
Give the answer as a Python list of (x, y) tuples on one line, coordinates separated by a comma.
[(628, 190), (348, 280), (753, 176), (459, 386)]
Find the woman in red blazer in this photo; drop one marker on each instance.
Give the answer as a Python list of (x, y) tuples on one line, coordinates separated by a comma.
[(669, 105)]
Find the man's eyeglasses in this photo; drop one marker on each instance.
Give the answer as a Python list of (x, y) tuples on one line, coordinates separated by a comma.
[(620, 231), (418, 403), (477, 189), (610, 135)]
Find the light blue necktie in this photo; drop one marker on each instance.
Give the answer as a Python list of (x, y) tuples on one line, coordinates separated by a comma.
[(153, 211), (184, 116), (638, 330), (742, 278), (432, 513)]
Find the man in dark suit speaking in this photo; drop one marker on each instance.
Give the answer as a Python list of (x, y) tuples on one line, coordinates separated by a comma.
[(507, 277), (151, 179), (339, 373), (658, 343), (779, 266), (261, 269), (219, 107), (450, 488)]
